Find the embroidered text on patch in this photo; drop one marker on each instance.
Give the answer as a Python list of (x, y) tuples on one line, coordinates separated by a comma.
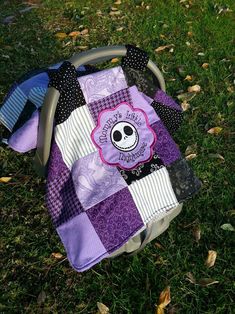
[(123, 136)]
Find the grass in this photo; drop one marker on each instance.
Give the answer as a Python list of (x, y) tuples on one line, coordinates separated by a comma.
[(35, 282)]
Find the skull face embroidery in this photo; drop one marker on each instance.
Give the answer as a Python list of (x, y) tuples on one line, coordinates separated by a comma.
[(124, 136)]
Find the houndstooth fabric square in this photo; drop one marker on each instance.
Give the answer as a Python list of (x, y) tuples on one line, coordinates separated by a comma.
[(61, 199), (109, 102)]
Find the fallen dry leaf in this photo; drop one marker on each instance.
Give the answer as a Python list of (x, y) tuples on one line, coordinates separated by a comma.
[(60, 35), (191, 156), (114, 60), (190, 34), (74, 34), (194, 89), (216, 130), (84, 31), (114, 9), (57, 255), (197, 233), (191, 149), (161, 48), (186, 96), (227, 227), (5, 179), (185, 105), (205, 282), (210, 261), (112, 13), (218, 156), (82, 47), (102, 308), (159, 245), (41, 298), (164, 300), (99, 13), (205, 65), (190, 278), (118, 2), (188, 78), (119, 29)]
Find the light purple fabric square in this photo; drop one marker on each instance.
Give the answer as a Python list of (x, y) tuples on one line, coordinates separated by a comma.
[(116, 219), (140, 102), (83, 246), (94, 181), (98, 85), (25, 138), (165, 146)]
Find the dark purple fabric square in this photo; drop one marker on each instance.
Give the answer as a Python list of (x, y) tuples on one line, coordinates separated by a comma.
[(165, 146), (166, 100), (56, 164), (109, 102), (61, 199), (116, 219)]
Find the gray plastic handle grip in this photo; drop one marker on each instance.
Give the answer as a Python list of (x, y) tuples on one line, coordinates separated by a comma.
[(50, 102)]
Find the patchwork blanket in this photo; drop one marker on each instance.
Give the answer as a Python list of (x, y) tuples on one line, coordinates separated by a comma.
[(114, 166)]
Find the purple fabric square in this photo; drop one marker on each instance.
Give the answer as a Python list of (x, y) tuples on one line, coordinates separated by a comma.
[(116, 219), (83, 246), (163, 98), (25, 138), (56, 163), (109, 102), (94, 181), (165, 146), (61, 198)]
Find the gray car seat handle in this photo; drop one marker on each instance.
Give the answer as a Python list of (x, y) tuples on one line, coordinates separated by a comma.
[(50, 102)]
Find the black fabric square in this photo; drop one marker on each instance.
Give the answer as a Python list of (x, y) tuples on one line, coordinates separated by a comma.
[(183, 180), (135, 58), (142, 170), (172, 118), (25, 115), (144, 80), (71, 97)]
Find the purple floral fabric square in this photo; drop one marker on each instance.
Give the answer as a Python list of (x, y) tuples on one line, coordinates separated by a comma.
[(115, 219), (94, 181), (165, 146), (56, 163)]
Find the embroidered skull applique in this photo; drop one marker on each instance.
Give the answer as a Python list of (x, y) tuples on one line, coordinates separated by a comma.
[(123, 136)]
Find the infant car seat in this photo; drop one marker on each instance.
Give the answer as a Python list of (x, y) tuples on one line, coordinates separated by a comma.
[(115, 177)]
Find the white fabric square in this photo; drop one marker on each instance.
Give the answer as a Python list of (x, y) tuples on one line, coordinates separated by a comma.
[(73, 136), (153, 195)]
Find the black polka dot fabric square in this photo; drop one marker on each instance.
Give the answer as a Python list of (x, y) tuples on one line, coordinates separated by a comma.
[(135, 58), (71, 97), (171, 117)]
